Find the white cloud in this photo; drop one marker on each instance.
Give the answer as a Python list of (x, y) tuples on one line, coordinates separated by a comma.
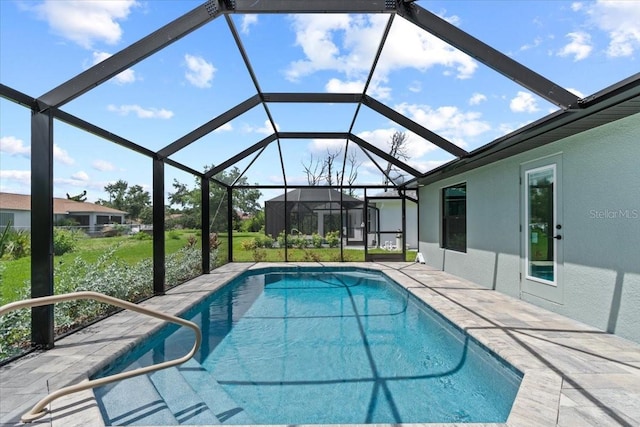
[(247, 21), (454, 19), (86, 22), (415, 86), (103, 165), (378, 90), (338, 86), (199, 72), (524, 102), (62, 156), (14, 147), (314, 34), (477, 98), (576, 92), (267, 129), (379, 137), (448, 121), (80, 176), (125, 77), (143, 113), (536, 42), (19, 176), (71, 184), (411, 47), (227, 127), (347, 44), (621, 20), (321, 146), (428, 165), (576, 6), (580, 46), (506, 128)]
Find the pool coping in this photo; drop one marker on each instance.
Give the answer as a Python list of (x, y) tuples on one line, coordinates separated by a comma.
[(554, 390)]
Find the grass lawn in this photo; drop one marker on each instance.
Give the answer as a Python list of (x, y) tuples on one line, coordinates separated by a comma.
[(132, 250), (294, 254)]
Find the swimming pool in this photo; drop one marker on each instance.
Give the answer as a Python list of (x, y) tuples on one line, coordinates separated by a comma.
[(313, 346)]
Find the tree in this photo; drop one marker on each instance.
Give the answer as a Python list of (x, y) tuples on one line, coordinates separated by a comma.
[(314, 170), (189, 200), (117, 192), (354, 165), (323, 170), (136, 200), (397, 150), (133, 200)]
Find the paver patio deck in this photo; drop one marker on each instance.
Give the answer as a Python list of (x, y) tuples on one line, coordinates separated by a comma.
[(574, 374)]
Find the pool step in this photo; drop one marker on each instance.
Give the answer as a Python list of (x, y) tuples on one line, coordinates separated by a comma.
[(134, 401), (185, 404), (216, 398)]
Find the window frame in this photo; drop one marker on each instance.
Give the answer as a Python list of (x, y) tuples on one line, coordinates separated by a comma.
[(7, 218), (445, 219)]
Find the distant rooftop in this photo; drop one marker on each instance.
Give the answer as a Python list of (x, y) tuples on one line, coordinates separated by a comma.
[(22, 202)]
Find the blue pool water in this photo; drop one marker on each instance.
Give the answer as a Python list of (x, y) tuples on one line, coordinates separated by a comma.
[(313, 347)]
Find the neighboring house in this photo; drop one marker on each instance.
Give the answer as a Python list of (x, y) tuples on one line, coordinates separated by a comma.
[(16, 210), (552, 218), (388, 209)]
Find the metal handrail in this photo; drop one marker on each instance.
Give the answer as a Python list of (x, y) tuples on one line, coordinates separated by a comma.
[(39, 410)]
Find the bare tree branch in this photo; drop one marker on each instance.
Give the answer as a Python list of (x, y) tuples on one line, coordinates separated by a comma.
[(325, 171), (329, 161), (398, 150), (315, 170)]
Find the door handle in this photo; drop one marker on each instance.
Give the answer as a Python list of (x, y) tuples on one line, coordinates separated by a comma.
[(558, 237)]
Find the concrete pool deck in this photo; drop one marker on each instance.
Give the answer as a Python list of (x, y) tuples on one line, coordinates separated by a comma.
[(574, 374)]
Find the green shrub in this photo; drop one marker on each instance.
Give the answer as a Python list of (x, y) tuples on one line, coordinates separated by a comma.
[(333, 238), (63, 241), (192, 241), (298, 241), (109, 275), (214, 242), (120, 229), (141, 235), (316, 240), (310, 255), (67, 222), (15, 244), (259, 255), (173, 234), (249, 244), (264, 241), (4, 238)]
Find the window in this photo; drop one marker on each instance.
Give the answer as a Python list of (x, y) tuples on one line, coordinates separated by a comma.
[(454, 217), (6, 218)]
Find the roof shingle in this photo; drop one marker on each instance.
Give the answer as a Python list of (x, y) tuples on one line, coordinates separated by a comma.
[(22, 202)]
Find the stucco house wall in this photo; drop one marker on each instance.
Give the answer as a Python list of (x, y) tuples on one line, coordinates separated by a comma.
[(19, 219), (88, 215), (390, 212), (600, 272)]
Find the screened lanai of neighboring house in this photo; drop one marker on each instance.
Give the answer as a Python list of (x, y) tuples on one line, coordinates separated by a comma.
[(316, 210), (338, 117)]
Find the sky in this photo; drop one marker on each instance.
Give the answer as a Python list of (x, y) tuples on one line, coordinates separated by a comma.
[(584, 46)]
